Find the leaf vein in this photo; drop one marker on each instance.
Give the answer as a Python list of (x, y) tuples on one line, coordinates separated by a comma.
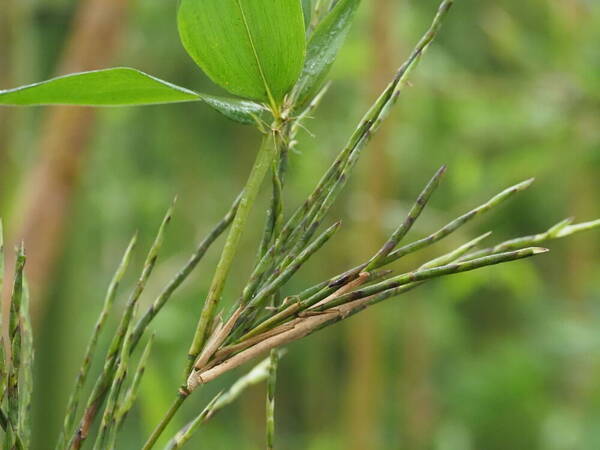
[(255, 53)]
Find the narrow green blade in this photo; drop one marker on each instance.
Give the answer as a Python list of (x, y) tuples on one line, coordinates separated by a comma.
[(121, 86), (323, 48)]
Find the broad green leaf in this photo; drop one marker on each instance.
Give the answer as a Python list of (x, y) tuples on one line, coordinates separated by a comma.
[(121, 86), (323, 47), (252, 48)]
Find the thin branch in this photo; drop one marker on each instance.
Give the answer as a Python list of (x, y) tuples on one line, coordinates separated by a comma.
[(257, 375), (109, 298)]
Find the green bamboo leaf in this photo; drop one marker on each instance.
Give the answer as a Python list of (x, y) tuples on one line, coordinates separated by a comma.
[(2, 356), (121, 86), (252, 48), (323, 47)]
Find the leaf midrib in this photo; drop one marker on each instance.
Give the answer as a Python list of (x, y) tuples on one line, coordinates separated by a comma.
[(255, 53)]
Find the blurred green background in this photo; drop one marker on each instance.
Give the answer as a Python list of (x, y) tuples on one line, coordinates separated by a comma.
[(503, 358)]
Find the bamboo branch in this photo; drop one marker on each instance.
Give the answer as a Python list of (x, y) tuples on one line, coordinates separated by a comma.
[(109, 298), (457, 223), (562, 229), (132, 392), (183, 273), (263, 162), (405, 227), (338, 310), (257, 375), (105, 380), (434, 272)]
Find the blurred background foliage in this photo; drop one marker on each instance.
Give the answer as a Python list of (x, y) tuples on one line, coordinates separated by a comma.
[(503, 358)]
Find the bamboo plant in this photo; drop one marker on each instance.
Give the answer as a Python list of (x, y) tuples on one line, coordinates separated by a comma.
[(274, 57)]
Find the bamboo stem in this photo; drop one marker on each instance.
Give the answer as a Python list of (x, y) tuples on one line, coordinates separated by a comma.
[(183, 273), (261, 166), (258, 374), (257, 175), (270, 402), (165, 421)]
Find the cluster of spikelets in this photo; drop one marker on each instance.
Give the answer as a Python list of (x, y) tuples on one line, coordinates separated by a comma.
[(262, 320)]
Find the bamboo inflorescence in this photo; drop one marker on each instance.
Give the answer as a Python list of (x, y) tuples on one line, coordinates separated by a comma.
[(261, 320)]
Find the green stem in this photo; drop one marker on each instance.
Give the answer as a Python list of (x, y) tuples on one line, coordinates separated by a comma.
[(164, 422), (412, 217), (261, 166), (257, 375), (270, 407), (183, 273)]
